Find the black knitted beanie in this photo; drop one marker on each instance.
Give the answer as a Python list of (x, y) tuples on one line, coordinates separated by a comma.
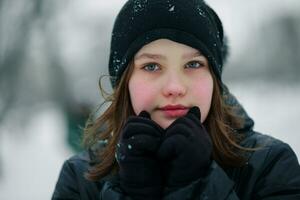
[(190, 22)]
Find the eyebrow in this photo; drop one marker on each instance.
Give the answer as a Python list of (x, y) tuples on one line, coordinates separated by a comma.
[(192, 55), (149, 55), (162, 57)]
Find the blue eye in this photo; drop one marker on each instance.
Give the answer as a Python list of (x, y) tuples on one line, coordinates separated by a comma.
[(194, 64), (151, 67)]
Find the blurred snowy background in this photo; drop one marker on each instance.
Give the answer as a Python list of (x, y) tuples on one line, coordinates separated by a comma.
[(53, 52)]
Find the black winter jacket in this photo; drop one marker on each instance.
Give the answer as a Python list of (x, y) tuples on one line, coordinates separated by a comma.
[(272, 172)]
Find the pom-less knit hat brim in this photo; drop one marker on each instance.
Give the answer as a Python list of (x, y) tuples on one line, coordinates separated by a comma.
[(190, 22)]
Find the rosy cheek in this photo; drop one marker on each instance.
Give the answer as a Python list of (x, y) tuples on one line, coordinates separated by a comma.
[(204, 90), (203, 95), (142, 95)]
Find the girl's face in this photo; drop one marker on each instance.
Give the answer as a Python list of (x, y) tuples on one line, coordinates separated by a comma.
[(169, 78)]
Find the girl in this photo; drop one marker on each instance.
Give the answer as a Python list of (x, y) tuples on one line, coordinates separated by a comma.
[(173, 130)]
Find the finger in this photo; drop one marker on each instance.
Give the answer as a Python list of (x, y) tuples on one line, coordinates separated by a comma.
[(192, 118), (144, 114), (195, 111), (190, 127), (180, 127), (136, 128), (144, 118)]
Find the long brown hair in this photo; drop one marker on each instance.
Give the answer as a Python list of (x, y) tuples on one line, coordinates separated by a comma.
[(220, 123)]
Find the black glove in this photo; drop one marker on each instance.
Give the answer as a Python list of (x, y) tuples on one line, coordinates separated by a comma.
[(186, 150), (140, 173)]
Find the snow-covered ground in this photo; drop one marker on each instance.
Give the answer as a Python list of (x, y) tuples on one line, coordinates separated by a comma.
[(31, 164)]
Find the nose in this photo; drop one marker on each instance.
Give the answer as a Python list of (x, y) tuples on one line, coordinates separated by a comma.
[(174, 86)]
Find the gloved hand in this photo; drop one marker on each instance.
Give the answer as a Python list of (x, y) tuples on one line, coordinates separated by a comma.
[(186, 150), (140, 173)]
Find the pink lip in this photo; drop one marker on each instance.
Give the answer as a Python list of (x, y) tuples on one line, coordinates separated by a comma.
[(174, 111)]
